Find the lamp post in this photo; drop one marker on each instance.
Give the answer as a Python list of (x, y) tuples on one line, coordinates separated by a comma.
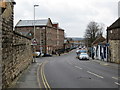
[(34, 33), (34, 19)]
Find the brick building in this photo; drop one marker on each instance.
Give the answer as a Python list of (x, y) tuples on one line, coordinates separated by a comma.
[(59, 33), (113, 38), (47, 34)]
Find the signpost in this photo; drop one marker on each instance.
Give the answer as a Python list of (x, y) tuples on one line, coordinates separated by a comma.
[(34, 43)]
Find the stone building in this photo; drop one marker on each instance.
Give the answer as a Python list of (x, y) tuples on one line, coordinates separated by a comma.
[(113, 38), (16, 52), (47, 34)]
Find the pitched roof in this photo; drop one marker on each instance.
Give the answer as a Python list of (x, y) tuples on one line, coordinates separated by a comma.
[(55, 25), (115, 25), (42, 22), (99, 40)]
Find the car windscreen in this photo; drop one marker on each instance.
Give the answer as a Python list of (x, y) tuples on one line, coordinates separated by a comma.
[(83, 51), (83, 54)]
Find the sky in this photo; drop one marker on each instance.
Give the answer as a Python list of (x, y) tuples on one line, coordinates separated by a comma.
[(72, 15)]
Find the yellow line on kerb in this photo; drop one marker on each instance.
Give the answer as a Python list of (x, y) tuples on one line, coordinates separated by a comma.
[(42, 77), (38, 69), (44, 80)]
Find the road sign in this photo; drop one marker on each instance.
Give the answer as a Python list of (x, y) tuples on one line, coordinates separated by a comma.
[(34, 42), (107, 44)]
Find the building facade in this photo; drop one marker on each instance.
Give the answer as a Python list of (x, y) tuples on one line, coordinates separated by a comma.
[(113, 38), (47, 34), (99, 49)]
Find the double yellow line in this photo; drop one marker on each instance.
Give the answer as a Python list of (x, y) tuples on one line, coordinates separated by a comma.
[(41, 74)]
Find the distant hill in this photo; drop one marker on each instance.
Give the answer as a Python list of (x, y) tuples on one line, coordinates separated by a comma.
[(75, 38)]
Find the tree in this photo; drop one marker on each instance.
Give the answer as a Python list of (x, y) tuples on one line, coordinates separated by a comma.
[(93, 31)]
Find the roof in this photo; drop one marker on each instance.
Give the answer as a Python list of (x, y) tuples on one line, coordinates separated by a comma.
[(104, 42), (115, 25), (28, 34), (21, 35), (55, 24), (22, 23), (60, 28), (25, 33), (98, 40)]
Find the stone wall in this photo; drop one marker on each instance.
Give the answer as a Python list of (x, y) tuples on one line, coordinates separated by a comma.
[(114, 51), (0, 52), (15, 49), (16, 56), (114, 34)]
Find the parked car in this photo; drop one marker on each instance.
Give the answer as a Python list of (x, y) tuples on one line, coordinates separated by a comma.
[(78, 52), (83, 56), (47, 55), (36, 54)]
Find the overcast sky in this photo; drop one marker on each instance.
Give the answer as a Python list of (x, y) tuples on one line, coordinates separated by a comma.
[(72, 15)]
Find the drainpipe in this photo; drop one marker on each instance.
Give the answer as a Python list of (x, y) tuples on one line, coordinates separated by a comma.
[(107, 46), (45, 41)]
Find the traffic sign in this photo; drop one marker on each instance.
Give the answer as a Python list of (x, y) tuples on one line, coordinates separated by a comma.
[(34, 42)]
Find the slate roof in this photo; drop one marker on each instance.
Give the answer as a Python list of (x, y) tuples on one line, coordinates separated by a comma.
[(99, 40), (25, 33), (22, 23), (115, 25)]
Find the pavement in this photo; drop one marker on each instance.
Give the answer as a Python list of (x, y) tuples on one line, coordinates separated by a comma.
[(29, 78), (107, 63)]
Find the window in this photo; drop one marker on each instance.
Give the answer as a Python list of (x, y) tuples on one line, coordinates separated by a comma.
[(37, 27), (111, 31)]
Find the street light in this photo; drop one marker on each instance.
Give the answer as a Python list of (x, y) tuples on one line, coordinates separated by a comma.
[(34, 19), (34, 32)]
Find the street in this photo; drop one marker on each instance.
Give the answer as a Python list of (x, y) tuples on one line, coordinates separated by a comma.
[(66, 71)]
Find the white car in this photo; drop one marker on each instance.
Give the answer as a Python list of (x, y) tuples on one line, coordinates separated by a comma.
[(36, 54), (83, 56)]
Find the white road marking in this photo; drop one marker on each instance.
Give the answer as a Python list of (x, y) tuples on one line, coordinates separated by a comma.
[(103, 63), (115, 78), (78, 67), (117, 83), (95, 74)]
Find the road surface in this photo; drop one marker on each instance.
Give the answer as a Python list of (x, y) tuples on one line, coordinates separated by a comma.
[(66, 71)]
